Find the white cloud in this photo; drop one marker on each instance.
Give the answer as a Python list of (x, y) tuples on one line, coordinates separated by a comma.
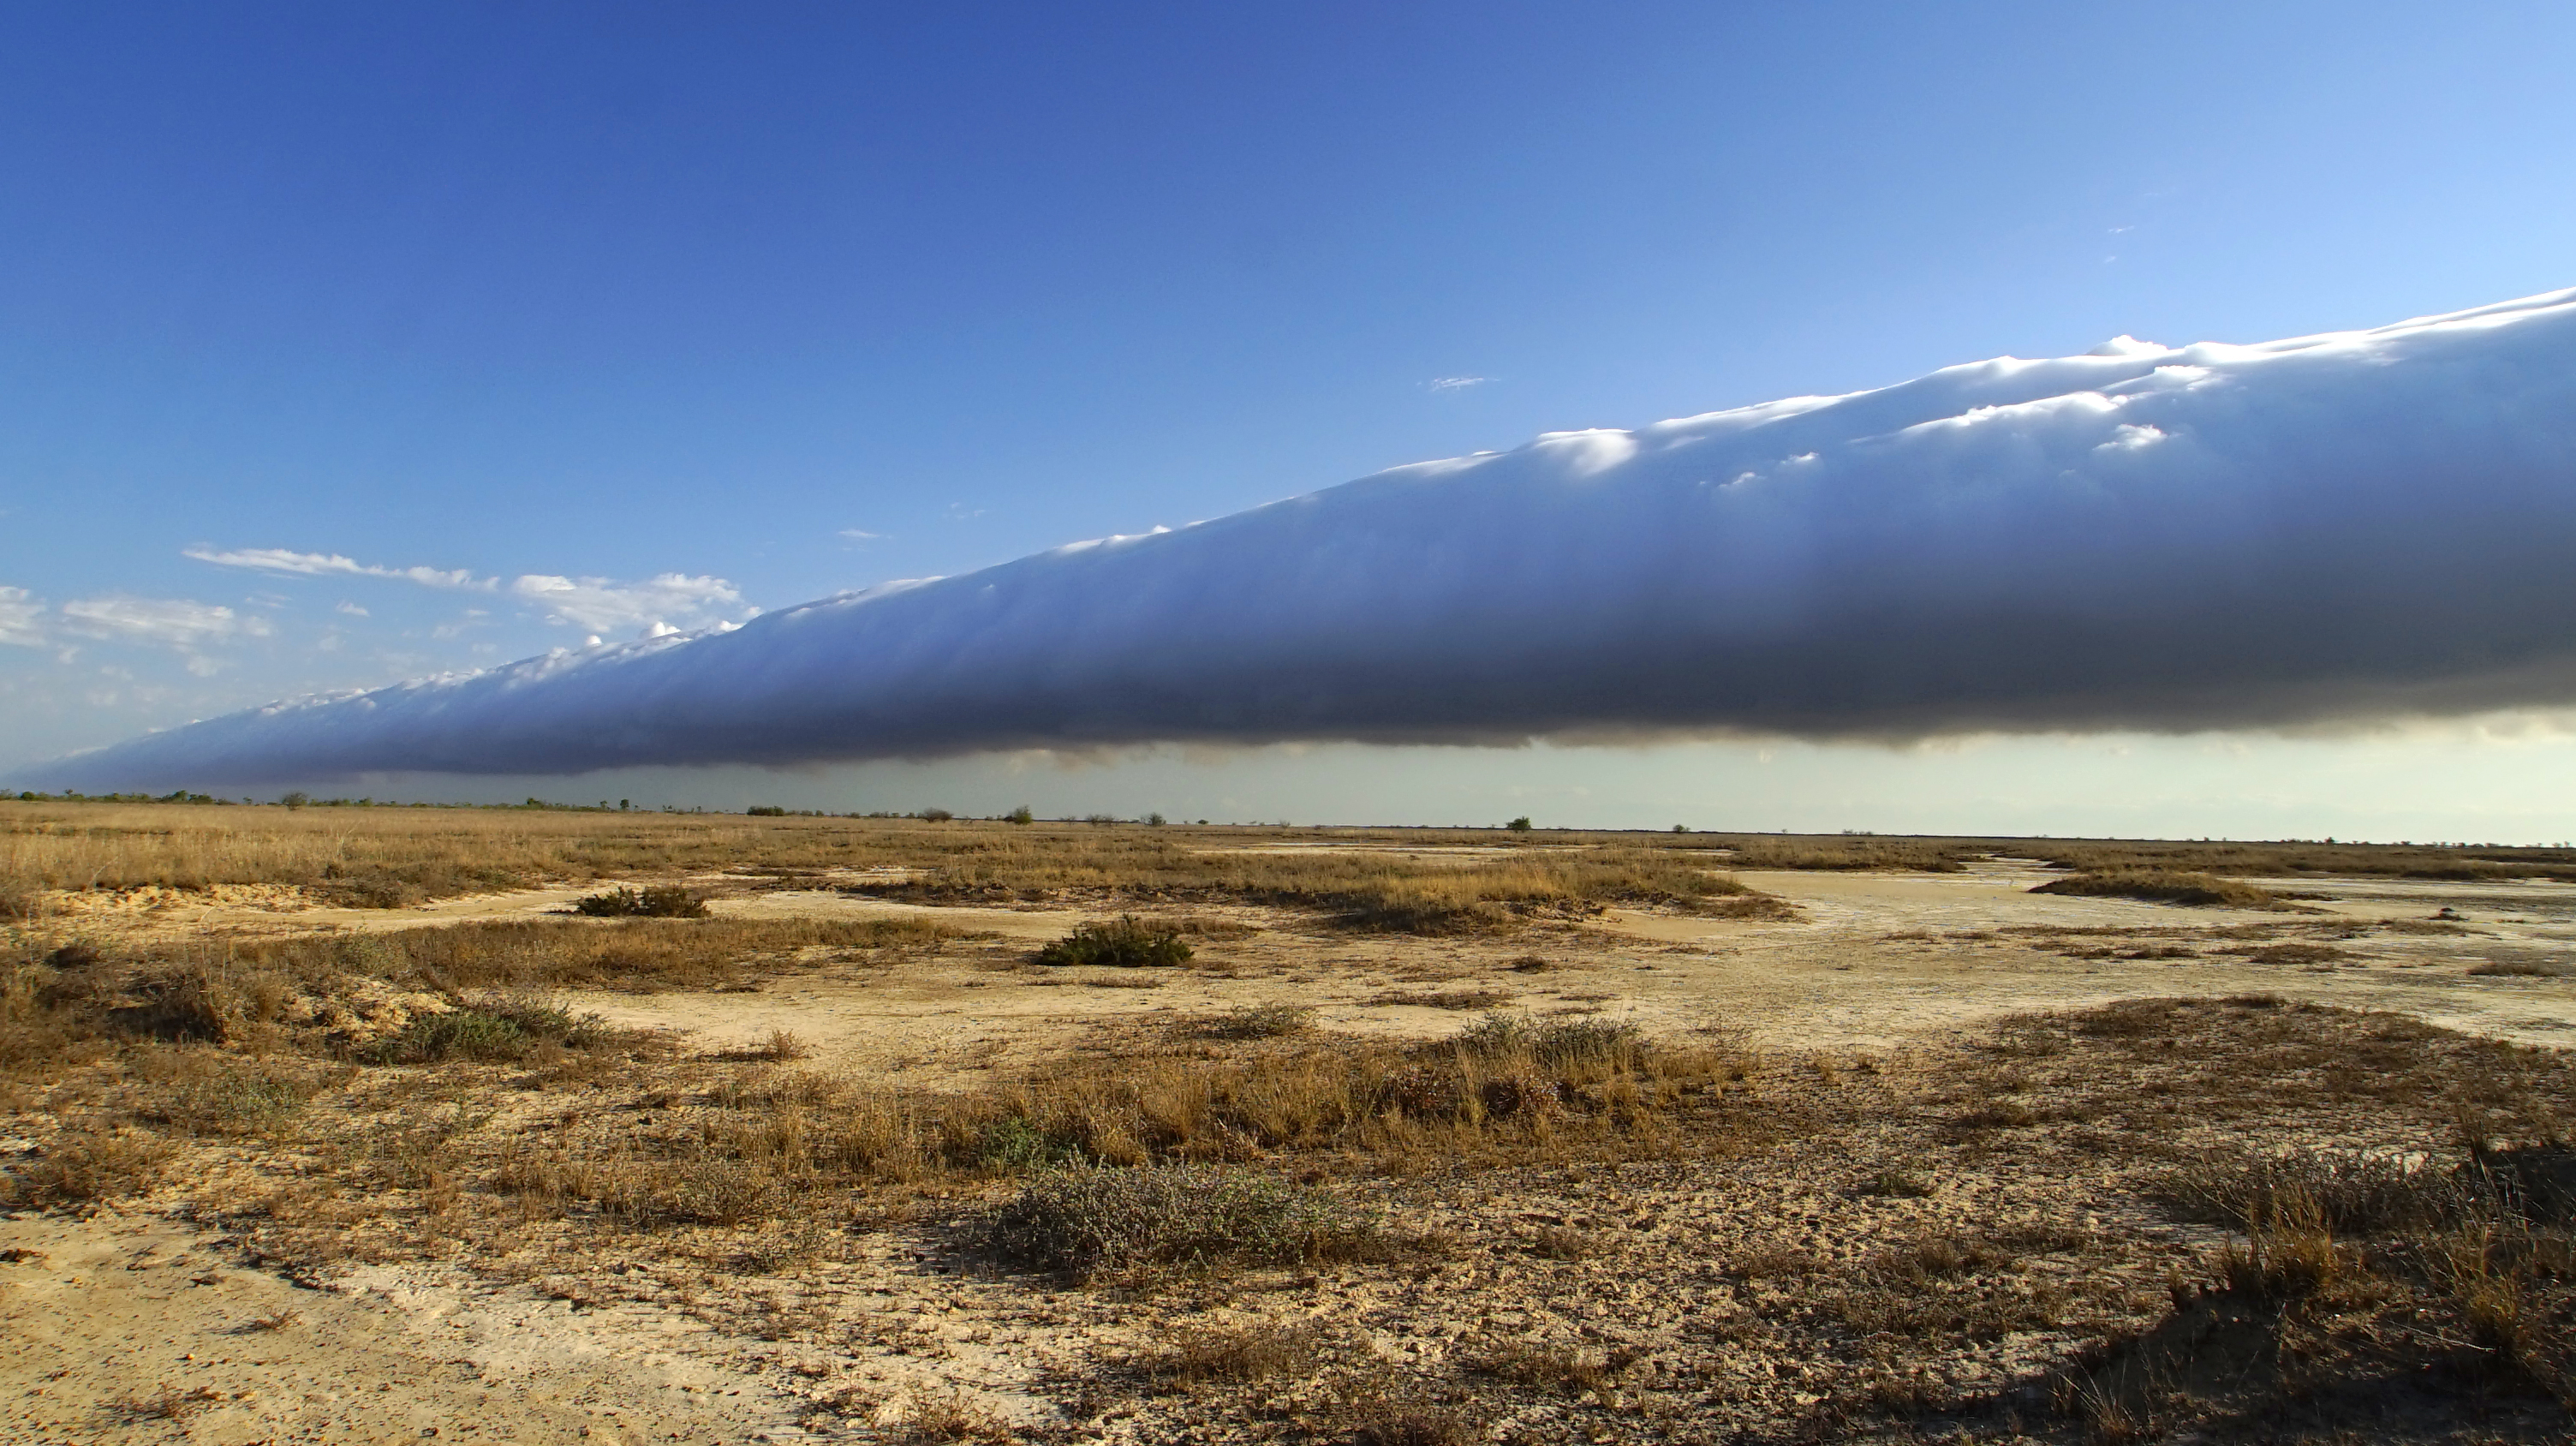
[(856, 534), (599, 604), (1455, 384), (168, 622), (319, 564), (19, 614), (352, 609), (2334, 530), (671, 602)]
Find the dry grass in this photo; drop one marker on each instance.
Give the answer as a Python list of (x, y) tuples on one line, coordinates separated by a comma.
[(82, 1170), (2163, 886)]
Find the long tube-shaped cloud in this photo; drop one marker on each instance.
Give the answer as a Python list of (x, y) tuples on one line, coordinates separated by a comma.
[(2362, 524)]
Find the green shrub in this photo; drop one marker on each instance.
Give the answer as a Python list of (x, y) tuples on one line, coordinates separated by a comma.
[(490, 1027), (458, 1034), (1123, 943)]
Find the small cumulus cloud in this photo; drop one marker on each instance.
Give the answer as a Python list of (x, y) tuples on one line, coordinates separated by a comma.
[(860, 534), (2133, 437), (21, 618), (598, 603), (352, 609), (1455, 384)]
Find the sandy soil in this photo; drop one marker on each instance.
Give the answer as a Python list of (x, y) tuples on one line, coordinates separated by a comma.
[(141, 1329), (145, 1328)]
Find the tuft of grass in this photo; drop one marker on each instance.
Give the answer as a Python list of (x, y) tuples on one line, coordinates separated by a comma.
[(1567, 1369), (1234, 1355), (1555, 1043), (1121, 943), (1093, 1221), (87, 1169), (1407, 1423), (2354, 1194), (2163, 886), (167, 1404), (207, 1092), (1897, 1185)]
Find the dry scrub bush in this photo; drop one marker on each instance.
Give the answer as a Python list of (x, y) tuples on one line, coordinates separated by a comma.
[(652, 902), (1090, 1222), (1121, 943)]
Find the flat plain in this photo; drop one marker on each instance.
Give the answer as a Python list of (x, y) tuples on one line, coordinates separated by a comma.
[(349, 1123)]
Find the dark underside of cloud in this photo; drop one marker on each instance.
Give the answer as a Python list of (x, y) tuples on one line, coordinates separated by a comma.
[(2337, 528)]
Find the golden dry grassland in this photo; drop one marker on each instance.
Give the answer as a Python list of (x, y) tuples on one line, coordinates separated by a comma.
[(2241, 1216)]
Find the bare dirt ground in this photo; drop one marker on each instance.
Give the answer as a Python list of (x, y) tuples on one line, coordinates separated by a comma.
[(1680, 1298)]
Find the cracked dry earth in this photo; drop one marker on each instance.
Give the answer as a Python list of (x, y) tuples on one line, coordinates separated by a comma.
[(1926, 1186)]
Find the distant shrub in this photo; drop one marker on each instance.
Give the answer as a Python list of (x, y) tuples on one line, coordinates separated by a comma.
[(1519, 825), (766, 810), (662, 901), (1261, 1021), (1123, 943), (2163, 886), (1020, 814), (934, 815)]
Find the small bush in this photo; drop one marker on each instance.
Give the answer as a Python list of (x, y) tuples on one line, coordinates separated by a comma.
[(1553, 1044), (1091, 1221), (458, 1034), (660, 901), (1123, 943), (1260, 1021)]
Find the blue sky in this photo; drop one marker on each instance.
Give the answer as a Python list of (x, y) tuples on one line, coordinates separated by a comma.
[(787, 300)]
